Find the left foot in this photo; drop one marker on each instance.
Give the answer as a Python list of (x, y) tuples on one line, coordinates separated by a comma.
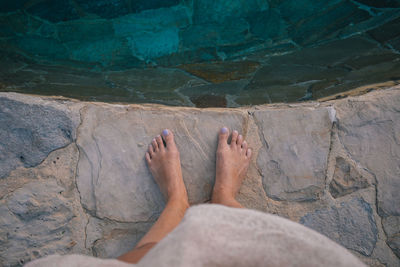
[(165, 166)]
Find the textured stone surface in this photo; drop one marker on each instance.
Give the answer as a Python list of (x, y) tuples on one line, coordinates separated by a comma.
[(40, 213), (346, 179), (111, 239), (26, 138), (351, 224), (369, 129), (394, 243), (391, 225), (294, 157), (107, 162), (74, 200)]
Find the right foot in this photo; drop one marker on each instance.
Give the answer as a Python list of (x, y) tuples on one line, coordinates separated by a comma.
[(165, 166), (232, 163)]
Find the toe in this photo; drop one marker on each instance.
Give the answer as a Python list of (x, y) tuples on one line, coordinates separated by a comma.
[(234, 138), (148, 159), (223, 137), (154, 144), (151, 151), (168, 137), (239, 141), (244, 146), (248, 153), (160, 143)]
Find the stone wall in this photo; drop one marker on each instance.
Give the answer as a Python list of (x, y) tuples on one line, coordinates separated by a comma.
[(73, 177)]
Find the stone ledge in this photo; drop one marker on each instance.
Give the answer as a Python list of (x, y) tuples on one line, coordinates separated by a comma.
[(301, 151)]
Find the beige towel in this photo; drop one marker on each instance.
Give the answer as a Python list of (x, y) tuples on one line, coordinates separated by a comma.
[(214, 235)]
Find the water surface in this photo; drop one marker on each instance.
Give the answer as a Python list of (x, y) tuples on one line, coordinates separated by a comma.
[(199, 52)]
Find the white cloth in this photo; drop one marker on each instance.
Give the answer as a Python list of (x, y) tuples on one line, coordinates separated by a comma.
[(214, 235)]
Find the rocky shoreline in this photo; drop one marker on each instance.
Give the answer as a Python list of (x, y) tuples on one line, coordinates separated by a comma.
[(73, 177)]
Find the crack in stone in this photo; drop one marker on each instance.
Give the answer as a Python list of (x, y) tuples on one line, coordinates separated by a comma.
[(261, 137), (75, 178), (375, 183), (330, 157), (377, 206), (12, 191), (79, 156), (98, 171), (245, 124), (260, 131), (204, 154), (86, 236)]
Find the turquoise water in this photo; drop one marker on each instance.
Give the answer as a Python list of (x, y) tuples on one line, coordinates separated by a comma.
[(199, 52)]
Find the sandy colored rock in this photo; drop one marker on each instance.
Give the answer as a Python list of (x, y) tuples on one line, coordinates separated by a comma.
[(108, 198), (41, 213), (26, 138), (346, 179), (369, 128), (113, 141), (351, 224), (110, 239), (295, 150)]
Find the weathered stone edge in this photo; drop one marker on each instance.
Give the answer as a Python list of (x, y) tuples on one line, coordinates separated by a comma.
[(62, 101)]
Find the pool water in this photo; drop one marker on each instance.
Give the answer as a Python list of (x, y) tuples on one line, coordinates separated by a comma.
[(198, 52)]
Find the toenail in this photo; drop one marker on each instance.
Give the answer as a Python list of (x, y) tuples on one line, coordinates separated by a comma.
[(165, 132), (235, 131), (224, 130), (154, 139)]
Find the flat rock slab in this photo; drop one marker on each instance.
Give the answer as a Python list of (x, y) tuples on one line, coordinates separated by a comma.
[(346, 179), (294, 157), (369, 128), (112, 170), (30, 131), (40, 212), (351, 224)]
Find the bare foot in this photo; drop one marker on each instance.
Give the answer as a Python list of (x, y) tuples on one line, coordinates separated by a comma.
[(232, 163), (165, 166)]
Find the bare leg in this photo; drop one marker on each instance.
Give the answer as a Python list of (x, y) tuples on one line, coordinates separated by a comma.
[(232, 163), (165, 166)]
